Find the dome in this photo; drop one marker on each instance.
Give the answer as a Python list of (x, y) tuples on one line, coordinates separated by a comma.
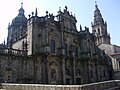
[(20, 19)]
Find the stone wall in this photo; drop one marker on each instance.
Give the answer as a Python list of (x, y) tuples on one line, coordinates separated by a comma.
[(93, 86)]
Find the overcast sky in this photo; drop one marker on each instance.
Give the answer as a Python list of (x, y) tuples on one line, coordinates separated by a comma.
[(83, 10)]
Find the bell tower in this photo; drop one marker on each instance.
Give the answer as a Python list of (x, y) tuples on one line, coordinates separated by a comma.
[(99, 28)]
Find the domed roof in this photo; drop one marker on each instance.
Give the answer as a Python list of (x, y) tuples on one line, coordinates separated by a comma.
[(20, 19)]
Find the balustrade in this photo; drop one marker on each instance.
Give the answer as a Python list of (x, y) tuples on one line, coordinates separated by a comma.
[(11, 51), (105, 85)]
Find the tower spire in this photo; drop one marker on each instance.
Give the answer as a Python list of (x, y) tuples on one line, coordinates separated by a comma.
[(80, 27), (96, 6), (97, 15), (99, 27), (4, 41), (36, 12)]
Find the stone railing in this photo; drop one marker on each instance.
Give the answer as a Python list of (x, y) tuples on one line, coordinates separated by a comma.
[(93, 86), (11, 51)]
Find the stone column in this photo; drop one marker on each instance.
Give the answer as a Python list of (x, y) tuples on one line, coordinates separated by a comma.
[(74, 71), (63, 70), (43, 70), (47, 36), (34, 68), (22, 69), (88, 72), (47, 71), (96, 70)]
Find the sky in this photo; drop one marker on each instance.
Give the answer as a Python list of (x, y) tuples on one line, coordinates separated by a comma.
[(83, 10)]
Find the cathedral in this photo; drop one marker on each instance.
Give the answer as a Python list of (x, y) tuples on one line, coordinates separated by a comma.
[(50, 50)]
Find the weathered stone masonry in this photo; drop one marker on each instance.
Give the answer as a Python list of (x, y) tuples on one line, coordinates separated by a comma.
[(52, 51)]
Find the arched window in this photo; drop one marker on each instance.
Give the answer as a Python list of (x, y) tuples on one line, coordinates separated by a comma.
[(98, 31), (52, 46)]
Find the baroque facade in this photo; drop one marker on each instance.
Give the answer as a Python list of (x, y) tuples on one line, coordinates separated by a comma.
[(50, 50)]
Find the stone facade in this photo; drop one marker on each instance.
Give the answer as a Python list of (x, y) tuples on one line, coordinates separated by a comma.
[(50, 50), (113, 52)]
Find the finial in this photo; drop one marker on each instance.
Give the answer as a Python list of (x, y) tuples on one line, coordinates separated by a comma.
[(66, 8), (46, 12), (4, 41), (105, 23), (95, 2), (21, 5), (59, 8), (91, 23), (29, 16), (80, 27), (36, 12), (74, 14), (9, 24), (96, 6), (32, 13), (85, 27)]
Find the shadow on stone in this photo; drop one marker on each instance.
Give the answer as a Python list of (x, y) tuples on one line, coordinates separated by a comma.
[(0, 85)]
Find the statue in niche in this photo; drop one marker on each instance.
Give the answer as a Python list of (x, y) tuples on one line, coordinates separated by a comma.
[(78, 72), (53, 74), (66, 8), (51, 16)]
